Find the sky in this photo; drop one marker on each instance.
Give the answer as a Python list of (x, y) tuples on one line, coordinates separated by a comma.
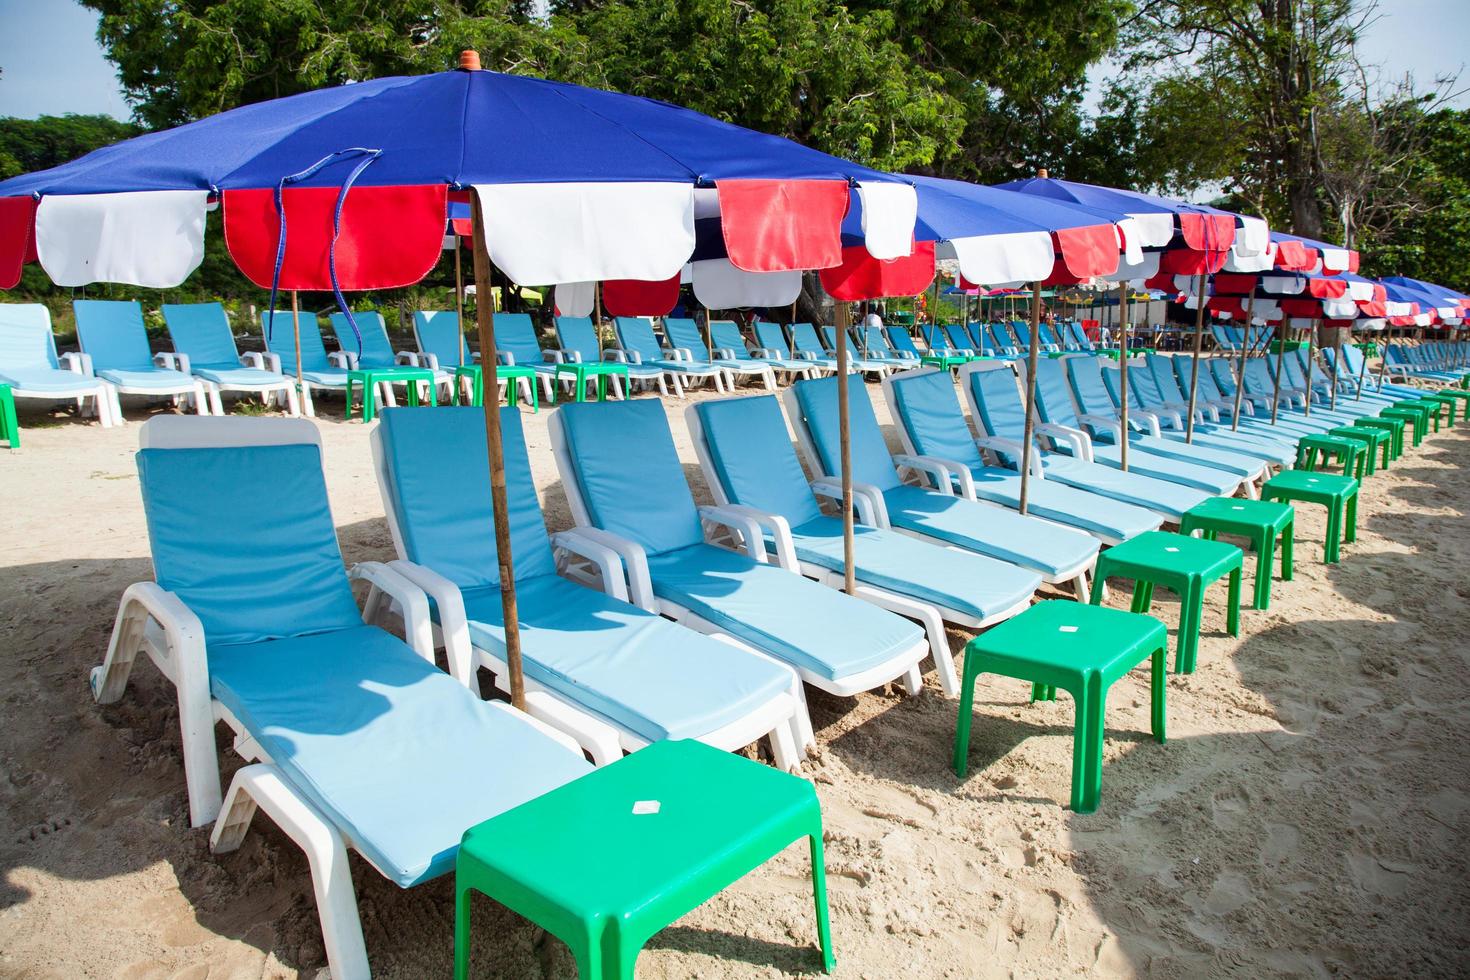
[(51, 62)]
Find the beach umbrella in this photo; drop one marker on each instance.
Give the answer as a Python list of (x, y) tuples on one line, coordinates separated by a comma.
[(995, 239), (347, 188)]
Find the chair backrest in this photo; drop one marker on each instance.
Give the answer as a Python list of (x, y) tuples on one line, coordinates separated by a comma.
[(926, 407), (26, 341), (202, 331), (771, 337), (1147, 386), (373, 349), (726, 334), (749, 448), (1221, 337), (111, 332), (1086, 377), (900, 340), (279, 330), (576, 333), (1044, 332), (1183, 365), (1079, 334), (1112, 377), (998, 400), (957, 336), (1054, 394), (628, 473), (434, 467), (636, 334), (1161, 372), (1224, 378), (438, 333), (804, 338), (255, 559), (684, 332), (871, 461), (828, 336), (1022, 334), (999, 339), (1259, 379), (515, 334)]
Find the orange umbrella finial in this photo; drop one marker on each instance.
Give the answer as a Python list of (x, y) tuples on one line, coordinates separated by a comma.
[(469, 61), (1041, 172)]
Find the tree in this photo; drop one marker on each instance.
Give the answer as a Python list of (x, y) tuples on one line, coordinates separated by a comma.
[(36, 144)]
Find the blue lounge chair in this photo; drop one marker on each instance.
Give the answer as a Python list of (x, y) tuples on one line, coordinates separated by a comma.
[(1277, 447), (688, 342), (1355, 367), (745, 450), (641, 346), (930, 509), (442, 345), (579, 343), (205, 347), (1001, 340), (623, 478), (958, 341), (872, 344), (112, 335), (355, 738), (29, 365), (371, 348), (1288, 421), (516, 344), (866, 365), (319, 370), (615, 675), (901, 342), (773, 343), (999, 411), (730, 345), (1215, 472)]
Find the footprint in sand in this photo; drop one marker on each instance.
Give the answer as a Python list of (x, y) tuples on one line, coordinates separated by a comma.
[(1229, 892), (1282, 841), (1381, 876)]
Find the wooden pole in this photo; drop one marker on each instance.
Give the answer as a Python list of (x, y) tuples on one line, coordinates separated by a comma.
[(709, 336), (296, 329), (840, 317), (1281, 329), (485, 319), (1336, 356), (1030, 394), (1123, 382), (459, 301), (1311, 335), (1250, 305), (1199, 337)]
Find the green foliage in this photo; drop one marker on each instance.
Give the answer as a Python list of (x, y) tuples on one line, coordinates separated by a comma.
[(37, 144)]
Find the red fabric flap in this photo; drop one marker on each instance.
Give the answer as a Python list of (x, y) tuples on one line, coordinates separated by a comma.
[(391, 236), (17, 238), (778, 225), (1326, 288), (636, 297), (1088, 251), (1207, 232), (1188, 262), (1301, 307), (1295, 257), (1235, 283), (860, 276)]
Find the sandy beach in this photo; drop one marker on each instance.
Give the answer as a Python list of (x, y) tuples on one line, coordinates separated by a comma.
[(1306, 818)]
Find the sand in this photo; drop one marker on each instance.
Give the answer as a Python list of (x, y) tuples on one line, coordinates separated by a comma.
[(1307, 816)]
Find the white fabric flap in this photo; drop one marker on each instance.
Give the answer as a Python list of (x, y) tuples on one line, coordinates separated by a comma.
[(889, 212), (145, 238), (1263, 261), (576, 232), (1135, 272), (988, 260), (1157, 228), (720, 286), (575, 298), (1253, 236), (1342, 308)]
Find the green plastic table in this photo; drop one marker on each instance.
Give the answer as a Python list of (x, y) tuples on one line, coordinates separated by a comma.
[(579, 371), (1415, 414), (1080, 649), (606, 861), (1182, 564), (1372, 439), (368, 379), (503, 372), (944, 361), (9, 425), (1339, 494), (1393, 426), (1349, 453), (1448, 400), (1259, 521)]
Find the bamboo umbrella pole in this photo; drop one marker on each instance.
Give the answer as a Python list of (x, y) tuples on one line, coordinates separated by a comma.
[(1311, 335), (1030, 394), (1281, 329), (1199, 336), (709, 336), (1336, 356), (1250, 305), (840, 316), (485, 319), (1123, 382), (459, 301), (295, 329)]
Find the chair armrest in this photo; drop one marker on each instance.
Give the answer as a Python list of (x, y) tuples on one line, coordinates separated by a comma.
[(1104, 423), (609, 564), (1080, 441), (78, 362), (766, 353), (273, 362), (406, 357), (454, 625), (635, 565), (253, 359), (804, 355), (724, 354), (941, 473), (778, 526), (575, 730), (1001, 444), (413, 604), (737, 519), (954, 472), (173, 360), (567, 356), (505, 357), (679, 353), (551, 357), (343, 360), (867, 498), (430, 361), (1150, 418)]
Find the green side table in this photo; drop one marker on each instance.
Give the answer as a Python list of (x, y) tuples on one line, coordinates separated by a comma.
[(579, 371), (1373, 440), (9, 426), (943, 361), (1339, 494), (1080, 649), (1185, 566), (1394, 427), (1259, 521), (1412, 412), (606, 861), (510, 373), (1448, 400), (369, 378), (1348, 452)]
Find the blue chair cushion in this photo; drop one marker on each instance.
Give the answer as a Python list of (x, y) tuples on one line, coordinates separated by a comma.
[(112, 334), (370, 343), (232, 375), (390, 748), (989, 530), (649, 675), (1170, 499), (42, 379), (929, 411), (871, 462), (202, 331), (279, 330), (255, 559), (972, 584), (1054, 500), (753, 458), (155, 379), (805, 624)]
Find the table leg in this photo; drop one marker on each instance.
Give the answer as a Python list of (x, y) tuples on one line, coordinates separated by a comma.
[(961, 760), (1232, 611), (1087, 744), (1334, 530), (8, 420), (347, 416), (1351, 533), (819, 899), (1143, 595), (1099, 581), (1288, 540), (1265, 558), (1191, 606), (411, 394), (369, 399), (433, 394), (462, 901), (1159, 672)]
